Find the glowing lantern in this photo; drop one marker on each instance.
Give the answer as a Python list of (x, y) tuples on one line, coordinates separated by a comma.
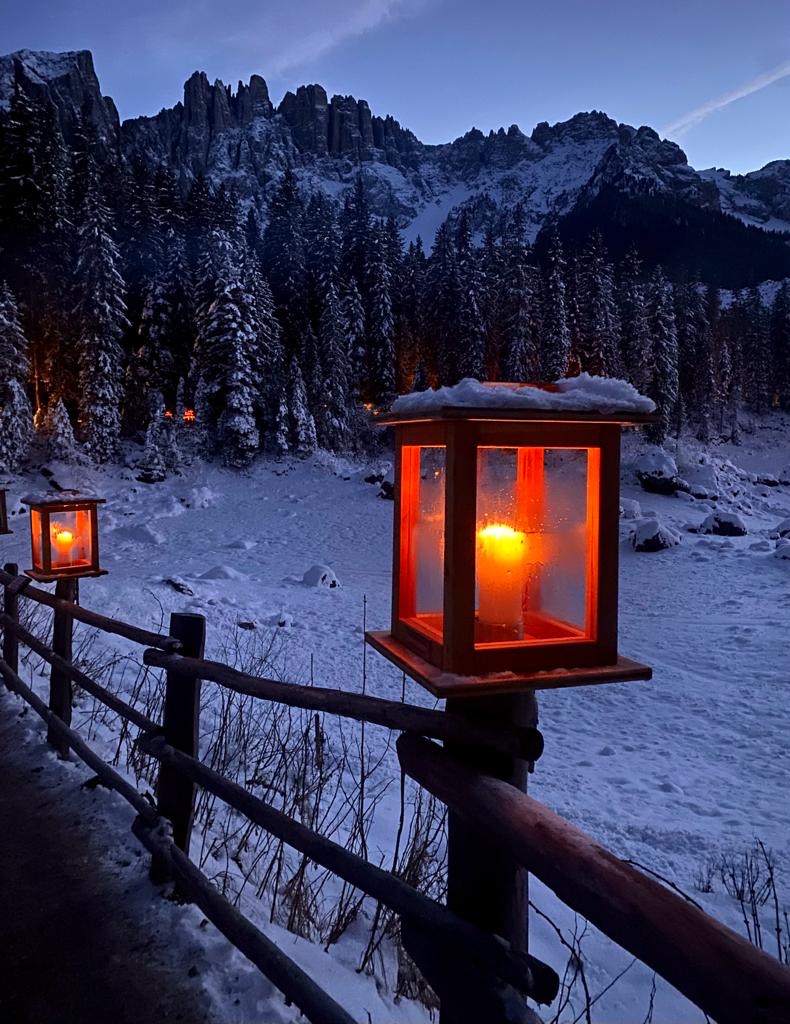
[(3, 513), (505, 566), (189, 416), (168, 414), (64, 533)]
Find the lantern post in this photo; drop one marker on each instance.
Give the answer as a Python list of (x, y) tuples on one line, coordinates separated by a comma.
[(4, 530), (505, 578), (64, 536)]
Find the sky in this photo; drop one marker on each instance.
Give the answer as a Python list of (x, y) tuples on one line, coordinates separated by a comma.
[(714, 75)]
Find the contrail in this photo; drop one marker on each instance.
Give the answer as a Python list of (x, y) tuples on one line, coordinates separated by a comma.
[(693, 117)]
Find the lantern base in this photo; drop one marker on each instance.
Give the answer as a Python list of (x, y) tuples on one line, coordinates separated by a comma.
[(447, 684), (64, 574), (4, 533)]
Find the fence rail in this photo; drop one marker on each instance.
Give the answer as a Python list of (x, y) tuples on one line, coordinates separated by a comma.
[(472, 969)]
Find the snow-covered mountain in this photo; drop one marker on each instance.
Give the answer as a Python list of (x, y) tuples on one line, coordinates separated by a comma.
[(559, 171)]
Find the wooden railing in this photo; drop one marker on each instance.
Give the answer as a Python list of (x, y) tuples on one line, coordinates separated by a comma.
[(478, 975)]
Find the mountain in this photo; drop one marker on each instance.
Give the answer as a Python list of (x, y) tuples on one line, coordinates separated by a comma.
[(587, 172)]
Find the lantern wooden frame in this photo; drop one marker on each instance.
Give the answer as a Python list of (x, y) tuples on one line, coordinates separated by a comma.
[(452, 663), (4, 530), (42, 511)]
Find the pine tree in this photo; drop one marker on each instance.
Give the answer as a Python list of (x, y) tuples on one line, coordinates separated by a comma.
[(663, 383), (601, 327), (267, 358), (555, 330), (756, 353), (284, 261), (56, 428), (152, 468), (636, 339), (353, 321), (16, 414), (301, 423), (380, 387), (780, 346), (491, 302), (331, 408), (101, 317), (520, 305), (471, 336), (444, 288)]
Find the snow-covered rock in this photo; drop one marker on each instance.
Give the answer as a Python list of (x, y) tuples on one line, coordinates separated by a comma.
[(387, 488), (783, 529), (783, 549), (723, 524), (242, 544), (584, 393), (320, 576), (140, 533), (700, 479), (653, 535), (657, 472), (630, 509)]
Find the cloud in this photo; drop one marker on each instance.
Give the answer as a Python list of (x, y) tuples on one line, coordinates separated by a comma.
[(690, 120), (361, 18)]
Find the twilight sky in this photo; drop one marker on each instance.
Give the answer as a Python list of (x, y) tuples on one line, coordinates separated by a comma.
[(714, 76)]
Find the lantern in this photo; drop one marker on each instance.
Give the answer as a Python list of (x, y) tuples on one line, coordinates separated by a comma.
[(64, 533), (505, 565), (4, 513)]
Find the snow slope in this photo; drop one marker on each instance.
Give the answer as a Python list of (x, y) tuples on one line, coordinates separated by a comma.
[(668, 773)]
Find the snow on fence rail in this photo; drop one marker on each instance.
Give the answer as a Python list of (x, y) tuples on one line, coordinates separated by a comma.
[(711, 965)]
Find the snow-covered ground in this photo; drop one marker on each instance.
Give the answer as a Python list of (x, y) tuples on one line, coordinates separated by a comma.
[(669, 773)]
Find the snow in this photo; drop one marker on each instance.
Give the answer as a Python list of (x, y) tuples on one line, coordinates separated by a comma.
[(585, 393), (667, 773), (652, 535), (726, 524)]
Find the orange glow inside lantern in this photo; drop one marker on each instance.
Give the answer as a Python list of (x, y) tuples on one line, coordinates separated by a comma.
[(505, 556), (189, 416), (64, 537)]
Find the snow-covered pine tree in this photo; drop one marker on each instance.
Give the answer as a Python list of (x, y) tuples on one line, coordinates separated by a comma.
[(16, 414), (601, 324), (780, 346), (491, 302), (521, 355), (332, 407), (355, 229), (695, 370), (443, 286), (555, 333), (62, 446), (100, 314), (267, 358), (662, 385), (353, 322), (284, 260), (380, 387), (152, 468), (756, 353), (471, 336), (301, 422), (636, 340), (409, 324)]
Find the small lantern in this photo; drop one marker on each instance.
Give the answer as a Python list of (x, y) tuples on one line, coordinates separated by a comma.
[(4, 513), (505, 566), (64, 533)]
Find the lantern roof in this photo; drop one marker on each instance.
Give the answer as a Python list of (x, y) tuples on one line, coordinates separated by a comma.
[(61, 498), (583, 398)]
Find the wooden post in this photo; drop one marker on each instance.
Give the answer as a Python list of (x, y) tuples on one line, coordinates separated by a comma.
[(485, 885), (11, 608), (60, 688), (180, 727)]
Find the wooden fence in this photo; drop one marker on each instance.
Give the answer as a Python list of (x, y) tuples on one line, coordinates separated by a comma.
[(476, 974)]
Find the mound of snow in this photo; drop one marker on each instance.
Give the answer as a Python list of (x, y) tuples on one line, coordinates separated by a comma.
[(584, 393), (139, 534), (701, 480), (653, 535), (657, 472), (200, 497), (223, 572), (283, 620), (783, 529), (320, 576), (387, 489), (783, 549), (723, 524), (242, 544), (630, 509)]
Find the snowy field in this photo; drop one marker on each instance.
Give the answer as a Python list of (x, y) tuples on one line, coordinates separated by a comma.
[(670, 773)]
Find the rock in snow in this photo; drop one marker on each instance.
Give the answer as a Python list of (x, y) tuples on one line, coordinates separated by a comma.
[(657, 472), (723, 524), (783, 529), (223, 572), (320, 576), (652, 535), (630, 509), (783, 549)]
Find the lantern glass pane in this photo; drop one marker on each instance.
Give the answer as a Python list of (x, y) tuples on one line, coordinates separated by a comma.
[(36, 528), (70, 539), (536, 545), (422, 538)]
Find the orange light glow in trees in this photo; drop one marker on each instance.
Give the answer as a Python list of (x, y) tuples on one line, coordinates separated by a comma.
[(189, 416)]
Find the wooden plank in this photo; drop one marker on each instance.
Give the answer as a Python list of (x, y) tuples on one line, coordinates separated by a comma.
[(181, 729), (623, 417), (460, 548), (296, 985), (526, 973), (102, 622), (390, 714), (718, 970), (78, 676), (11, 609), (60, 690), (447, 684)]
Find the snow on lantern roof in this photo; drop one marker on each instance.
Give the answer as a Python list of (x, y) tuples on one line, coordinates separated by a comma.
[(61, 498), (598, 397)]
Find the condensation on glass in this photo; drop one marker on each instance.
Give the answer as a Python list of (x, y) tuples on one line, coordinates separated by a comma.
[(70, 539), (421, 591)]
